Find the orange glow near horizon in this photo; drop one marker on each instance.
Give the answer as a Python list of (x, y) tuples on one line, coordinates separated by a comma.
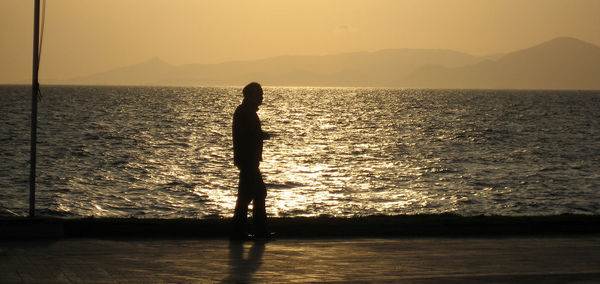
[(85, 37)]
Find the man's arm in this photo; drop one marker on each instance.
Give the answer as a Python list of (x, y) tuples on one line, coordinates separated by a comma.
[(268, 135)]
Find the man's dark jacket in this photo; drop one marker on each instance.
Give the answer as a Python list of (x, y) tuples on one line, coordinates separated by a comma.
[(247, 137)]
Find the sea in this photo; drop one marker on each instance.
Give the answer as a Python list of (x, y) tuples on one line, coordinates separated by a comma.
[(166, 152)]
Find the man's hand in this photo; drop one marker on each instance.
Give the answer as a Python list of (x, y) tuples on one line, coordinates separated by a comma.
[(267, 135)]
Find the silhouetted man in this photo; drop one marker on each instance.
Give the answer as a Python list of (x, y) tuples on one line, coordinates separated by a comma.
[(247, 153)]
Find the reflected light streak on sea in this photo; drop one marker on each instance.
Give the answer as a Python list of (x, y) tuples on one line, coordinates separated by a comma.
[(166, 151)]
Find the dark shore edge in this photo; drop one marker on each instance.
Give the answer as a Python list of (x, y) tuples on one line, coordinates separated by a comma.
[(441, 225)]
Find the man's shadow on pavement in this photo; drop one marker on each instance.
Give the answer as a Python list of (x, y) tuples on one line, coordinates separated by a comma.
[(241, 270)]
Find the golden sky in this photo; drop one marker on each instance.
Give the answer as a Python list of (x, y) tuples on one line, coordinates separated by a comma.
[(88, 36)]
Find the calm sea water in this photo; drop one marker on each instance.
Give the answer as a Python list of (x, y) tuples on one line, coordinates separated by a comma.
[(167, 152)]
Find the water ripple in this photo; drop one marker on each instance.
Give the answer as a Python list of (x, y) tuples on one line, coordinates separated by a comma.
[(166, 152)]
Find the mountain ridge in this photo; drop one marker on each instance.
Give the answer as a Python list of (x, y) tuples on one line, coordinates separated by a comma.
[(560, 63)]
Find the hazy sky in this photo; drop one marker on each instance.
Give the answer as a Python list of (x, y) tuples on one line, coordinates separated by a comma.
[(88, 36)]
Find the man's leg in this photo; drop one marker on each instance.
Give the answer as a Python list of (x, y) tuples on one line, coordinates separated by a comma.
[(240, 214), (259, 216), (259, 212)]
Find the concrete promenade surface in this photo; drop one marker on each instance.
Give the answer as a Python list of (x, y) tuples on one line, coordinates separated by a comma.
[(547, 259)]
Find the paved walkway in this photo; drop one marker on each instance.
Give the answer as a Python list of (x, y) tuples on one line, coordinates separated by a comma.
[(413, 260)]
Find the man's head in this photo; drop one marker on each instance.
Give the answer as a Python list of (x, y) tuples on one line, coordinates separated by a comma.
[(253, 94)]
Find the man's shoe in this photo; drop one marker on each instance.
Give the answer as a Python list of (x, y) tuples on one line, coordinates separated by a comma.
[(241, 237), (264, 236)]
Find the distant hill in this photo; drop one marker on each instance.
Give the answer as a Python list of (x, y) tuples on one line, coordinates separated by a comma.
[(562, 63), (381, 68), (147, 73)]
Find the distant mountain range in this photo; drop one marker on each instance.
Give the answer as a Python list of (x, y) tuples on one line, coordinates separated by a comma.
[(561, 63)]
